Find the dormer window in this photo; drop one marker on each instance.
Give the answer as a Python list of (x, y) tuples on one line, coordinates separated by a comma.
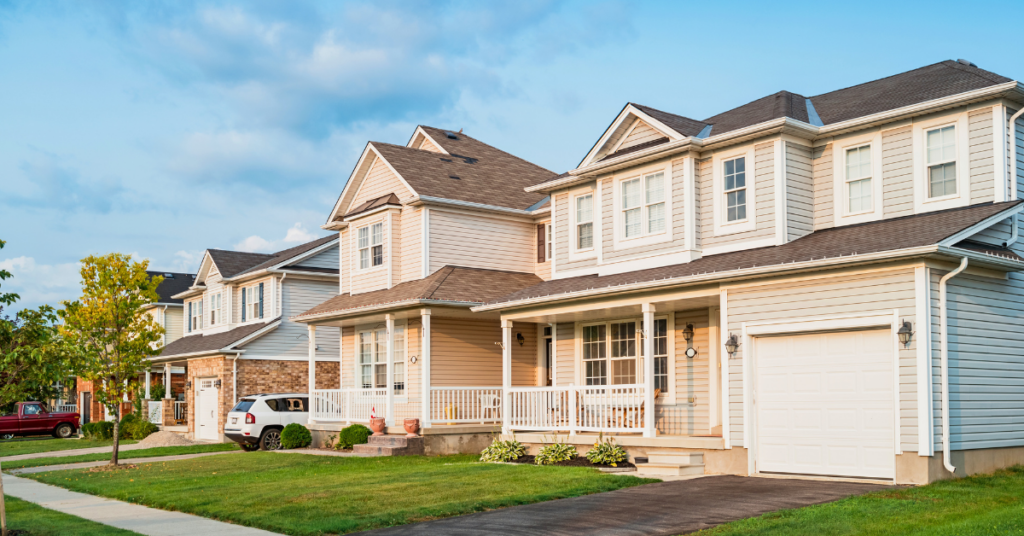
[(941, 156), (215, 309), (252, 302), (196, 310), (371, 246), (585, 222), (735, 188)]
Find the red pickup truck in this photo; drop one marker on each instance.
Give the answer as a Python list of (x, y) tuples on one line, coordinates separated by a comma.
[(31, 418)]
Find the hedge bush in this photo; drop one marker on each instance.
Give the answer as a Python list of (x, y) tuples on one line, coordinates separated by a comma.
[(353, 435), (98, 430), (295, 436)]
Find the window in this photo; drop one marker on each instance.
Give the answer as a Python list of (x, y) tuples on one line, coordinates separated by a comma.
[(643, 211), (735, 189), (215, 309), (632, 226), (252, 302), (623, 353), (197, 314), (941, 161), (585, 221), (654, 202), (550, 244), (373, 358), (858, 179), (399, 354), (32, 409), (661, 354), (595, 354), (610, 350), (371, 246)]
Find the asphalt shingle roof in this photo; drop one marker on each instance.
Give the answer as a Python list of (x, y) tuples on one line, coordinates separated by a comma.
[(233, 263), (172, 284), (209, 343), (874, 237)]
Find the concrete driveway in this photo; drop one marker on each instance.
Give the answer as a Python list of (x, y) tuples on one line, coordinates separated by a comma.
[(665, 508)]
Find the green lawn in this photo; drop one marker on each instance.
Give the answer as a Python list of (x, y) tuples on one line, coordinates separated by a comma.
[(124, 456), (14, 447), (305, 494), (979, 505), (39, 521)]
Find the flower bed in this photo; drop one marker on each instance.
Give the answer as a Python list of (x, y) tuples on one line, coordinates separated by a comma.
[(580, 461)]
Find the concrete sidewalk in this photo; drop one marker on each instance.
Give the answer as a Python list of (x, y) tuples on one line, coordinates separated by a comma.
[(72, 452), (136, 461), (141, 519)]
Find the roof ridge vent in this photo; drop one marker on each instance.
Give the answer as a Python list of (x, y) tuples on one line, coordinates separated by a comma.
[(962, 61), (451, 135)]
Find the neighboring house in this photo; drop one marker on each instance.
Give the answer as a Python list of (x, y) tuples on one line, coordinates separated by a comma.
[(237, 339), (825, 285), (167, 311)]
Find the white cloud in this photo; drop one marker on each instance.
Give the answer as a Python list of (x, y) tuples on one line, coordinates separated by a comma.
[(185, 262), (258, 244), (298, 234), (41, 283), (253, 244)]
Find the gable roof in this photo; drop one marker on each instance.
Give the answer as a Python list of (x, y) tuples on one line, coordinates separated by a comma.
[(389, 199), (192, 344), (235, 263), (847, 241), (485, 174), (450, 284), (683, 125), (173, 283)]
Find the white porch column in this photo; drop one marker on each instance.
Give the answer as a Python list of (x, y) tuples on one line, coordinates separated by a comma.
[(311, 329), (506, 375), (147, 383), (167, 380), (425, 366), (389, 415), (648, 331), (554, 354)]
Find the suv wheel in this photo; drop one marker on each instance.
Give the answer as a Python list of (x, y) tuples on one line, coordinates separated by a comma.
[(63, 431), (271, 440)]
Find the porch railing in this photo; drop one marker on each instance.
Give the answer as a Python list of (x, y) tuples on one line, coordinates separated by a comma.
[(180, 410), (592, 408), (156, 412), (66, 408), (465, 405), (348, 405)]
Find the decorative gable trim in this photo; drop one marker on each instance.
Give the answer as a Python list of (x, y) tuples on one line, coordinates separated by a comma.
[(628, 112), (418, 135), (355, 181)]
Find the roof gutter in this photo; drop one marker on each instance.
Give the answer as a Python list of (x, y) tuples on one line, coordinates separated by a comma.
[(422, 199), (746, 273), (175, 357), (360, 311)]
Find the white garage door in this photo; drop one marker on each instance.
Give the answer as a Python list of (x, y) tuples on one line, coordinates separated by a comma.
[(825, 404), (206, 410)]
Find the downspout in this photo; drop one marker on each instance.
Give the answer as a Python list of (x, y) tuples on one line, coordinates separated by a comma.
[(944, 363), (234, 378), (1012, 172)]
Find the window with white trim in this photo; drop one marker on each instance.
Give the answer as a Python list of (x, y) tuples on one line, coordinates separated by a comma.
[(399, 359), (585, 222), (371, 245), (735, 189), (940, 153), (661, 354), (858, 179), (643, 205), (610, 353), (373, 358), (251, 303), (550, 245), (197, 314), (216, 310)]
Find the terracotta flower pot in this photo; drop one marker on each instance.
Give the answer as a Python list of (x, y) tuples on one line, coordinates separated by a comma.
[(412, 427), (377, 425)]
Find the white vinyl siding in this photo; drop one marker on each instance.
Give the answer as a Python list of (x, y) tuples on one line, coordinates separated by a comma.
[(824, 210), (173, 323), (642, 133), (897, 172), (799, 191), (290, 340), (327, 258), (981, 153), (412, 244), (379, 181), (565, 235), (476, 241)]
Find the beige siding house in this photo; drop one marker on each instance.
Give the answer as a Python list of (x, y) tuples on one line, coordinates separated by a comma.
[(824, 285)]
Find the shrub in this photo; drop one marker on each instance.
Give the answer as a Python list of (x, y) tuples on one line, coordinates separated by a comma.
[(502, 451), (98, 430), (137, 429), (606, 453), (156, 392), (554, 453), (295, 436), (350, 436)]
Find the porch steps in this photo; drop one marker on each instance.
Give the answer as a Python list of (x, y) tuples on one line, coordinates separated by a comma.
[(669, 463), (390, 445)]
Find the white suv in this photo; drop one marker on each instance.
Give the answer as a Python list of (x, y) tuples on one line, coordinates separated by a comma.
[(256, 421)]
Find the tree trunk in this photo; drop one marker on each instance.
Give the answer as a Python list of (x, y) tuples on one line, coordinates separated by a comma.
[(3, 507), (117, 434)]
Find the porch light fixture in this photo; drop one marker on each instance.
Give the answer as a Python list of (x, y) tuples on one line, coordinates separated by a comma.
[(688, 333), (188, 385), (217, 384), (732, 344), (905, 334), (520, 339)]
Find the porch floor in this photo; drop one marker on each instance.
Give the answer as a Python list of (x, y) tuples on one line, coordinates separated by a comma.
[(625, 440), (652, 510)]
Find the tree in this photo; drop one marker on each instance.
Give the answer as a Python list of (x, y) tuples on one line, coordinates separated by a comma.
[(108, 324)]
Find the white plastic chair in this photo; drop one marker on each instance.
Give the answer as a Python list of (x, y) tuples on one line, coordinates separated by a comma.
[(490, 403)]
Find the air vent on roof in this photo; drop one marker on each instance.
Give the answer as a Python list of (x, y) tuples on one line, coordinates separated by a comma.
[(965, 62), (454, 177), (451, 135), (168, 276)]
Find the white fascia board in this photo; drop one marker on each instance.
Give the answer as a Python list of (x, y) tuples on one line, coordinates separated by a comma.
[(348, 183), (305, 255), (192, 291), (982, 225), (361, 215), (359, 311), (177, 357), (623, 115), (419, 130), (421, 199)]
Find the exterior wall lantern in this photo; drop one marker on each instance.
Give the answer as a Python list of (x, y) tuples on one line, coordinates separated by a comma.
[(217, 384), (520, 339), (188, 385), (688, 333), (732, 344), (905, 334)]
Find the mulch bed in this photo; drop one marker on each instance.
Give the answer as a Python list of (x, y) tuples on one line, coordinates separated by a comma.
[(579, 461)]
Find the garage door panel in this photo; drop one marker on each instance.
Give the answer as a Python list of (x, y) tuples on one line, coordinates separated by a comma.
[(825, 404)]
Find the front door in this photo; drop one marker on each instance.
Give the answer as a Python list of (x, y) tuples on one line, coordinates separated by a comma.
[(206, 410), (547, 362), (86, 407)]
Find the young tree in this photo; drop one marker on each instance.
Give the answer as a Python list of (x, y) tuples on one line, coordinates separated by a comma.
[(115, 336)]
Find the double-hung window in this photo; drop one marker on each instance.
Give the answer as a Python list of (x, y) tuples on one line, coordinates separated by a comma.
[(215, 309), (197, 315), (595, 354), (399, 355), (550, 244), (735, 174), (661, 354), (643, 205), (373, 358), (610, 353), (585, 222), (941, 159), (252, 302), (858, 179), (371, 246)]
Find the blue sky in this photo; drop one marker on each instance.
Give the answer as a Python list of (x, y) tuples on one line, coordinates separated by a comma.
[(163, 129)]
